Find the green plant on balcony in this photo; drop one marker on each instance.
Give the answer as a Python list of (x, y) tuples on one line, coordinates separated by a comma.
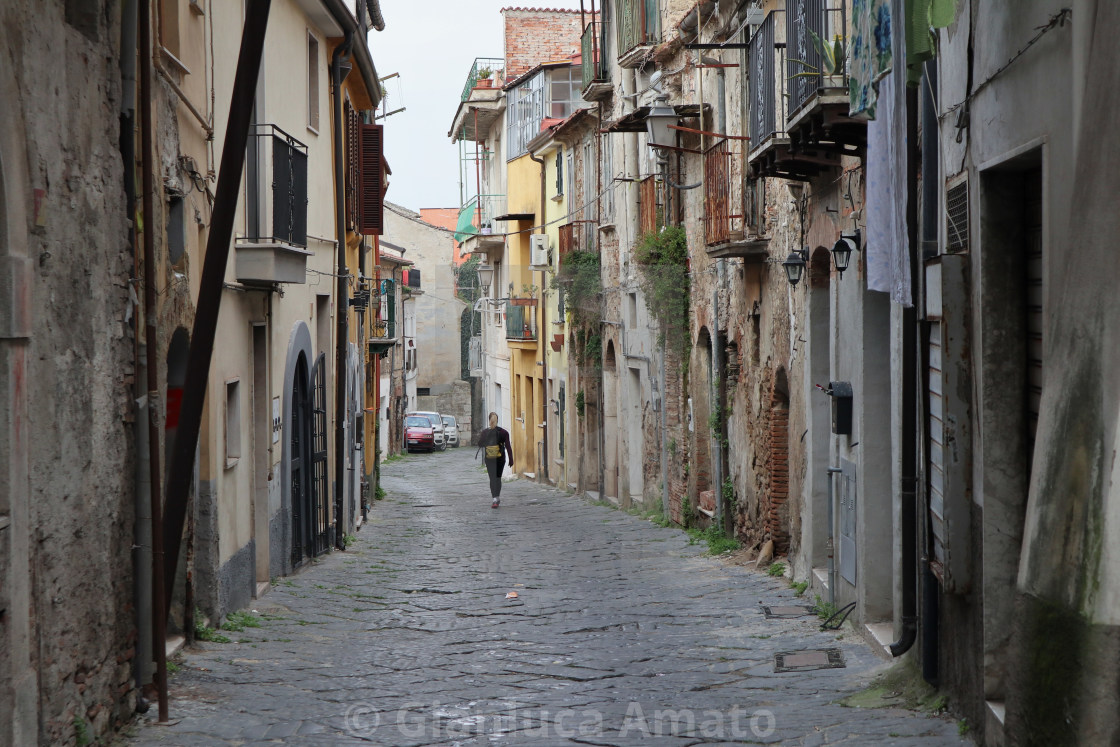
[(833, 58), (484, 73)]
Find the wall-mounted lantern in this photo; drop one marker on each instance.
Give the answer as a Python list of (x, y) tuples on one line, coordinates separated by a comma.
[(658, 131), (795, 265), (485, 277), (842, 250)]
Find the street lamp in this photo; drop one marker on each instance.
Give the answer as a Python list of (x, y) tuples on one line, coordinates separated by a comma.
[(485, 277), (842, 250), (658, 130), (795, 265)]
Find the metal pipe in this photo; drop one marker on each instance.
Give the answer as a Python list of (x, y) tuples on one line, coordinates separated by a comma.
[(210, 287), (342, 274), (151, 342), (542, 467)]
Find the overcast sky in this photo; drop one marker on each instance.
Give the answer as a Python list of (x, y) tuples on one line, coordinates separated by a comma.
[(432, 44)]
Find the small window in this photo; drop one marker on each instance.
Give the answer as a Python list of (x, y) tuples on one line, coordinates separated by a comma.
[(633, 309), (233, 422), (423, 391), (176, 228), (169, 26), (312, 82), (559, 172)]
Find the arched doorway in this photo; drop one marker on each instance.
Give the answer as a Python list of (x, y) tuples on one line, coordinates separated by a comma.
[(610, 423), (311, 530), (700, 472)]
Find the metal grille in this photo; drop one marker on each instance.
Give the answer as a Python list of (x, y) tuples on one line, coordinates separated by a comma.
[(319, 515), (638, 23), (847, 500), (805, 64), (1034, 297), (300, 444), (936, 444), (956, 221), (718, 218), (594, 66)]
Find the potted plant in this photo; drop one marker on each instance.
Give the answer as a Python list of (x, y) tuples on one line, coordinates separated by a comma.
[(484, 80), (833, 58), (527, 297)]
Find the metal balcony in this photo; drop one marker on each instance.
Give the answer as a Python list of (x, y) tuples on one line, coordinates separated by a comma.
[(521, 323), (496, 67), (638, 27), (818, 95), (273, 249), (478, 229), (596, 73)]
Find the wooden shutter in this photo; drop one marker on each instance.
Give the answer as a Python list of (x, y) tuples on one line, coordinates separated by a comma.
[(371, 185)]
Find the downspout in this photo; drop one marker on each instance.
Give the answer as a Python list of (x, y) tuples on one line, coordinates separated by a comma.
[(151, 342), (142, 527), (342, 310), (909, 514), (542, 468), (930, 209)]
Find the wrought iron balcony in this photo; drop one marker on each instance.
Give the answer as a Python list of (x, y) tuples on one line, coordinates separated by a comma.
[(273, 249), (596, 72), (521, 323), (767, 110), (725, 230), (383, 327), (494, 65), (818, 79), (638, 26)]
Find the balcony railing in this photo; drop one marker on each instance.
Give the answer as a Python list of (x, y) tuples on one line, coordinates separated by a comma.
[(766, 57), (477, 216), (720, 224), (276, 158), (807, 70), (649, 210), (383, 327), (474, 356), (577, 236), (521, 322), (595, 68), (638, 24), (496, 66)]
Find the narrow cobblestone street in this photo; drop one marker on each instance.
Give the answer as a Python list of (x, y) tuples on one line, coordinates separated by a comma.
[(621, 632)]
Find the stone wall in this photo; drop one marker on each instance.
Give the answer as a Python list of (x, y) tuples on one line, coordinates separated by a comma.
[(67, 554)]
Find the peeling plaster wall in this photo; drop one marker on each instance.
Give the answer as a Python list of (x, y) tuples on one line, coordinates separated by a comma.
[(70, 588)]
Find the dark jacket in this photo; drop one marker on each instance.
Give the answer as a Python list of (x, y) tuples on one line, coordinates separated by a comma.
[(496, 436)]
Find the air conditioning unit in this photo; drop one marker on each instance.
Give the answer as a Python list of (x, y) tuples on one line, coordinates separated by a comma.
[(538, 251)]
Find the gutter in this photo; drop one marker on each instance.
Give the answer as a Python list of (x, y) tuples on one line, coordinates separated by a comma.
[(341, 13)]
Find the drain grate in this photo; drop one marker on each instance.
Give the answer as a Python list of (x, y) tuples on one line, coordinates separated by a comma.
[(786, 611), (806, 661)]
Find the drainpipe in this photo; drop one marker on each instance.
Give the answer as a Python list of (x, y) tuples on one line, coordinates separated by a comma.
[(909, 513), (142, 539), (342, 310), (212, 279), (542, 468), (155, 472), (930, 208)]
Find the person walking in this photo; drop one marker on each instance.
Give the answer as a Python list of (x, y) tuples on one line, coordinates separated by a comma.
[(495, 442)]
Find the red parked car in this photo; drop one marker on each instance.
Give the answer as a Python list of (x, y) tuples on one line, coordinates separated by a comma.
[(419, 435)]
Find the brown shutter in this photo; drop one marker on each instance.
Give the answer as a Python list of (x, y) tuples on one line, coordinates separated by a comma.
[(371, 187), (353, 166)]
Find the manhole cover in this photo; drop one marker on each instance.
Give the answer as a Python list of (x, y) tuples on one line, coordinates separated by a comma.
[(806, 661), (786, 611)]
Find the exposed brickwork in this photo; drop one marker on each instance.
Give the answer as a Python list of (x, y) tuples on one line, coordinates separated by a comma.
[(535, 36), (777, 512)]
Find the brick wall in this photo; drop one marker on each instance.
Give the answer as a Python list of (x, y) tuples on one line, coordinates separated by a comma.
[(777, 512), (535, 36)]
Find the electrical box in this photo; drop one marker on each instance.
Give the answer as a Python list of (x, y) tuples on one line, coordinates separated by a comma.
[(841, 393), (538, 251)]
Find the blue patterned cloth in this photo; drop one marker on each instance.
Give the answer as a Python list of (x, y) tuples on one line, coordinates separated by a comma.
[(871, 54)]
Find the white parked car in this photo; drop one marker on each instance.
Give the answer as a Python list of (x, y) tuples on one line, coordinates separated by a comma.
[(437, 425), (451, 426)]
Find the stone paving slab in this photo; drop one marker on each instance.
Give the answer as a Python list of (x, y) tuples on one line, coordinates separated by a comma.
[(622, 633)]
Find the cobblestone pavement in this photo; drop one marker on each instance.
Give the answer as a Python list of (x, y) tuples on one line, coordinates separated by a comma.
[(621, 633)]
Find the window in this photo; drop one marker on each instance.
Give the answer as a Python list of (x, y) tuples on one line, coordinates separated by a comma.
[(551, 93), (633, 307), (233, 422), (312, 82), (176, 228), (169, 26), (559, 172)]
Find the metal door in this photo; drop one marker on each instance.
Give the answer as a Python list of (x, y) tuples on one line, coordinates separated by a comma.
[(320, 491)]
